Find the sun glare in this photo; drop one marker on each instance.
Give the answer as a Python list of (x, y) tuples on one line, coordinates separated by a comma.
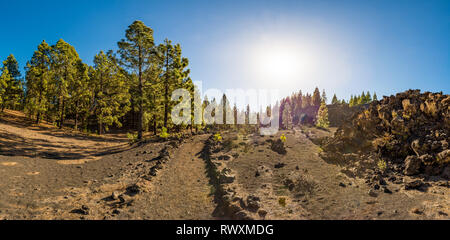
[(281, 62)]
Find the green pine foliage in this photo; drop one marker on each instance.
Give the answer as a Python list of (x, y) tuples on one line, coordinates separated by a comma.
[(322, 116), (12, 89), (110, 92), (334, 100)]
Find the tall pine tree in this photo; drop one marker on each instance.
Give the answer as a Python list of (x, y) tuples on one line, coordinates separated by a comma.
[(137, 51), (38, 75), (110, 92)]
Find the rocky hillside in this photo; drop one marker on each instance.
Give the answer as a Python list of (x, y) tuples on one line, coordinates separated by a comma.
[(407, 133)]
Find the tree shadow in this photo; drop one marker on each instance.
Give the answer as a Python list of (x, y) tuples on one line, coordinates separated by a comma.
[(15, 145)]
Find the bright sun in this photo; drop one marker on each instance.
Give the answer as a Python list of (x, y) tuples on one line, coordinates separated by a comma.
[(281, 62)]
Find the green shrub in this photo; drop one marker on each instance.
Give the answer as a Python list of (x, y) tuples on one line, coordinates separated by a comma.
[(132, 137), (283, 138), (282, 201), (217, 137), (164, 133), (382, 165)]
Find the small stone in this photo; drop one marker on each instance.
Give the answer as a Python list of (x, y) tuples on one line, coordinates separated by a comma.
[(342, 184), (417, 211), (224, 157), (262, 213), (115, 196), (376, 187), (372, 193), (417, 184), (386, 190), (257, 174), (279, 165), (392, 179), (252, 203)]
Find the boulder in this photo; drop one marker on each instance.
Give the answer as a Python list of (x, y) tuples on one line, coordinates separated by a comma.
[(226, 177), (278, 147), (412, 165), (417, 184)]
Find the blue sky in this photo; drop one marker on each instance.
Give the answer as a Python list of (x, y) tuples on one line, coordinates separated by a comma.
[(344, 47)]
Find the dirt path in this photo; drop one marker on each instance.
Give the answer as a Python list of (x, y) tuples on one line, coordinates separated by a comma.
[(181, 190)]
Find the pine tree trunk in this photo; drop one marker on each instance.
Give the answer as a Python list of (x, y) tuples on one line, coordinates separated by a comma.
[(141, 96), (38, 117), (100, 127), (76, 116), (166, 90), (61, 119)]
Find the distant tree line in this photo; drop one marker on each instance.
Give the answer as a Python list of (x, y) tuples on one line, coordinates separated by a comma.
[(311, 108)]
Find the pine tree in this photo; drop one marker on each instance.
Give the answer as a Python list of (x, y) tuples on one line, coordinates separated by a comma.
[(136, 52), (80, 93), (334, 100), (361, 99), (286, 116), (322, 116), (64, 67), (37, 78), (316, 99), (5, 77), (324, 96), (375, 98), (14, 88), (175, 73), (368, 97), (110, 92)]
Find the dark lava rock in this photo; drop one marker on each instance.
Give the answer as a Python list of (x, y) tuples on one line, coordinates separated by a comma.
[(417, 184), (84, 210), (262, 213), (278, 147), (409, 129), (386, 190), (280, 165), (412, 165), (225, 157), (133, 190), (253, 203)]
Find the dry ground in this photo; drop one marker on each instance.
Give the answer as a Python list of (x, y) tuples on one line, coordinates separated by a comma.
[(47, 173), (321, 190)]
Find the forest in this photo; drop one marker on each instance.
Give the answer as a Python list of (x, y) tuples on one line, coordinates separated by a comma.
[(127, 89)]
